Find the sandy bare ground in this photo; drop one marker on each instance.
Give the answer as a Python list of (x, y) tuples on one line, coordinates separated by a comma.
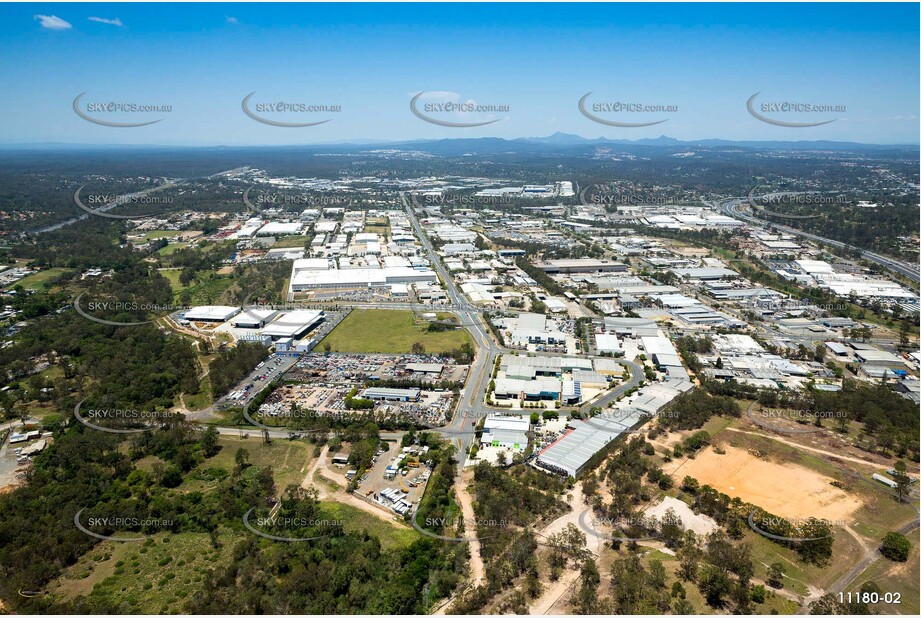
[(783, 489), (700, 524), (477, 569), (668, 440)]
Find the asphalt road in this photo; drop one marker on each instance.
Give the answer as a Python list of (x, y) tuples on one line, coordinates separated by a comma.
[(636, 376), (470, 407)]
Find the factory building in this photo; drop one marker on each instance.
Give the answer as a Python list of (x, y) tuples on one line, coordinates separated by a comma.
[(211, 313), (254, 318), (542, 366), (539, 389), (307, 275), (391, 394), (293, 324), (506, 431), (581, 265), (572, 454), (280, 229)]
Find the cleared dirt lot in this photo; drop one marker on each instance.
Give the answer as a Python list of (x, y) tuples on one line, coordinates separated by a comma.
[(783, 489)]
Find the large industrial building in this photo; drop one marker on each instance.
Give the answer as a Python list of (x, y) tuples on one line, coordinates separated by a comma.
[(535, 328), (527, 367), (391, 394), (506, 431), (572, 453), (309, 274), (293, 324), (211, 313), (581, 265), (538, 389), (254, 318), (276, 228)]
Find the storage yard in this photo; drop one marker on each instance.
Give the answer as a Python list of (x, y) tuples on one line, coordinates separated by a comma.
[(349, 368), (396, 481), (328, 400)]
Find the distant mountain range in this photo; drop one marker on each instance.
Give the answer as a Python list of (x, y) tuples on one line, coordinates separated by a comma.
[(664, 140), (495, 145)]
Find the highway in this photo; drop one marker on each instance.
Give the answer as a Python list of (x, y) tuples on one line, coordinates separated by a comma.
[(126, 199), (733, 208)]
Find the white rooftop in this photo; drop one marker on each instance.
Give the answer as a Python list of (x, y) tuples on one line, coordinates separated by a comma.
[(292, 323), (212, 313)]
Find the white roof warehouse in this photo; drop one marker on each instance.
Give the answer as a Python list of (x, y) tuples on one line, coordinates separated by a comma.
[(307, 275), (574, 451), (391, 394), (293, 324)]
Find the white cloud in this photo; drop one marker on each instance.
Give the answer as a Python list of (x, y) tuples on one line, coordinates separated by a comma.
[(103, 20), (53, 22), (438, 95), (232, 20)]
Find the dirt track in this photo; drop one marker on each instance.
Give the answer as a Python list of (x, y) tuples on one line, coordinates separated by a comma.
[(477, 570), (811, 449), (555, 590)]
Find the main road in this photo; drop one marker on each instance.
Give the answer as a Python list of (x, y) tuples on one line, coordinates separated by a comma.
[(733, 208), (470, 407)]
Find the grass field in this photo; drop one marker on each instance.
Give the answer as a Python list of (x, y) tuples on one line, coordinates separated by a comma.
[(41, 281), (156, 576), (200, 400), (207, 288), (173, 247), (297, 240), (901, 577), (391, 535), (384, 331), (159, 575), (773, 602), (157, 234), (289, 460), (172, 275), (799, 574), (380, 229)]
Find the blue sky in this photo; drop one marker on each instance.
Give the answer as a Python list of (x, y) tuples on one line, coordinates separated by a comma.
[(537, 59)]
